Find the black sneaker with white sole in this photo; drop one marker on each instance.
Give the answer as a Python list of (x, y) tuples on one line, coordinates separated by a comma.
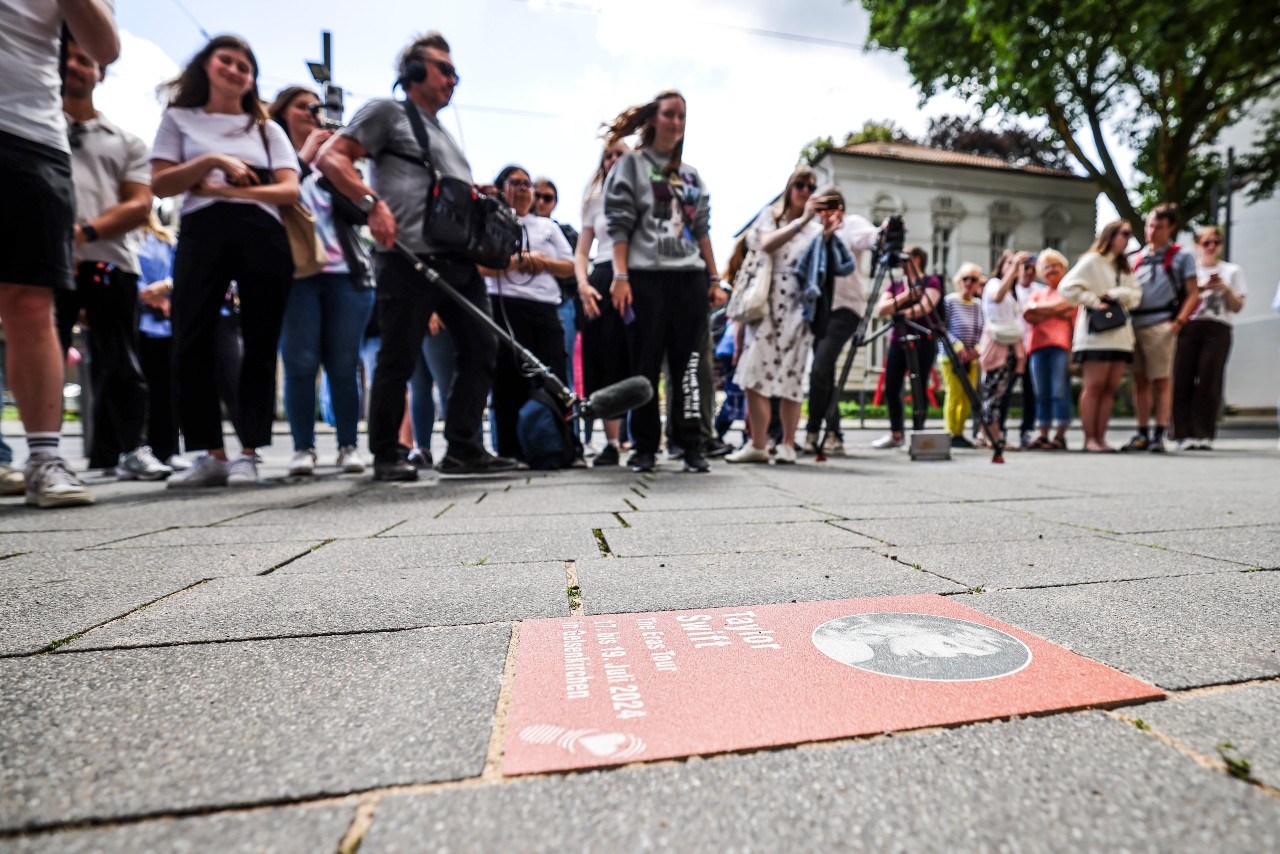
[(642, 462), (482, 463)]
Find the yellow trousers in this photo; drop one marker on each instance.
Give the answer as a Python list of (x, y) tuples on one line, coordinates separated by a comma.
[(956, 408)]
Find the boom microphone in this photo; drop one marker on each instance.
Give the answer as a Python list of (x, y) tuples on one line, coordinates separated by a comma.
[(614, 401)]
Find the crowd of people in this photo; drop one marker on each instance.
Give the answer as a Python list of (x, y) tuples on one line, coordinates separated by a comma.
[(284, 252)]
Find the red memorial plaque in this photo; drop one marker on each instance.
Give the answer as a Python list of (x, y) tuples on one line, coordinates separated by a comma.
[(604, 690)]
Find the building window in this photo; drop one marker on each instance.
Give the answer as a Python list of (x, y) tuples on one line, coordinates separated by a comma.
[(941, 254), (999, 242), (1054, 243)]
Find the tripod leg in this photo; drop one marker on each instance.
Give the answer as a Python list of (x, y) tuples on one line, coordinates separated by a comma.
[(919, 394)]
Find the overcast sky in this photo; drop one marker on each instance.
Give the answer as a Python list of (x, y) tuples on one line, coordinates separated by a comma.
[(538, 76)]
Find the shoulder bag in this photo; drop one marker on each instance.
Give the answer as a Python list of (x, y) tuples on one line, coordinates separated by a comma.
[(299, 224), (750, 299), (1108, 316)]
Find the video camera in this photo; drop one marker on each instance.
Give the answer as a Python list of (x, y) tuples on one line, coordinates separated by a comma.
[(891, 241)]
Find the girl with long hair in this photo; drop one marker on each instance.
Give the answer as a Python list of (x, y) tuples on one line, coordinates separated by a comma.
[(235, 168), (606, 358), (775, 350), (327, 313), (658, 216), (1102, 277)]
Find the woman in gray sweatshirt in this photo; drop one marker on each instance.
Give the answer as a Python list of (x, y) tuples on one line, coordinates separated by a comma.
[(658, 216)]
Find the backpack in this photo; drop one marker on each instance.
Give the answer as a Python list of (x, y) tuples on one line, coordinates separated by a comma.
[(1179, 284), (545, 432)]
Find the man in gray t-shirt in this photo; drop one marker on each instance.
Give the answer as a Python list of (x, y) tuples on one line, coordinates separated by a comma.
[(396, 206)]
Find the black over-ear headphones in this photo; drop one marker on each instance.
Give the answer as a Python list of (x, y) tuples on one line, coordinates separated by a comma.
[(414, 72)]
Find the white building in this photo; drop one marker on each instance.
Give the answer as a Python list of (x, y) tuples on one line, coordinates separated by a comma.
[(964, 207)]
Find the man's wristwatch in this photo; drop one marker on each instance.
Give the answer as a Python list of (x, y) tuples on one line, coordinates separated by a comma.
[(90, 233), (367, 202)]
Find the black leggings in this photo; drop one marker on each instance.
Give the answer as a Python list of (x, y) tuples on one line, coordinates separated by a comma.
[(895, 369), (841, 327), (671, 311), (536, 325), (219, 244)]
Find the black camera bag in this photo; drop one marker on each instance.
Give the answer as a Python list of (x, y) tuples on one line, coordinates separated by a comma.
[(459, 219)]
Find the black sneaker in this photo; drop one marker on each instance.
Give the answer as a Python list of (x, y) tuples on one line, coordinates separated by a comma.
[(607, 457), (1156, 446), (695, 462), (641, 462), (961, 442), (1139, 442), (716, 448), (421, 459), (482, 463), (398, 469)]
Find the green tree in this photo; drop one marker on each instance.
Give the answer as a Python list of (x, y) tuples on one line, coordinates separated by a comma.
[(1163, 79), (884, 130), (1009, 142)]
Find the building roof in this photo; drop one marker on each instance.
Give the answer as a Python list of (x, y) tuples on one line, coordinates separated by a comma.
[(924, 154)]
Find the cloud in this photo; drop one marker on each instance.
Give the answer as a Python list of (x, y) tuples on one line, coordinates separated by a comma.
[(128, 95)]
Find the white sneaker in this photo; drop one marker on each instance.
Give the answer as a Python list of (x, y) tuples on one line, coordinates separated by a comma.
[(243, 471), (748, 453), (786, 454), (1187, 445), (141, 464), (304, 463), (885, 443), (12, 481), (350, 461), (178, 462), (1206, 444), (207, 470), (50, 482)]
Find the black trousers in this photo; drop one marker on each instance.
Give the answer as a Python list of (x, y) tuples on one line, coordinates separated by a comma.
[(156, 357), (536, 325), (1198, 367), (220, 244), (895, 369), (406, 302), (109, 298), (606, 356), (842, 325), (671, 313)]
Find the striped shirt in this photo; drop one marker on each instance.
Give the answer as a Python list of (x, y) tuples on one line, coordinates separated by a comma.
[(964, 321)]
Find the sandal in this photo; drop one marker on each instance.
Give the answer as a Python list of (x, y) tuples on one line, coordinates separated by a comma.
[(1056, 444), (1043, 444)]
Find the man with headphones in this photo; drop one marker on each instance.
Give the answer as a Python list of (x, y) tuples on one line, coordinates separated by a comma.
[(396, 205)]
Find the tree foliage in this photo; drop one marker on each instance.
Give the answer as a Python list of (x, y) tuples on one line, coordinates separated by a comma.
[(1009, 142), (1164, 79), (884, 130)]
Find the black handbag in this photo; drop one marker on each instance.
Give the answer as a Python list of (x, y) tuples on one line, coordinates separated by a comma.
[(1108, 316), (459, 219)]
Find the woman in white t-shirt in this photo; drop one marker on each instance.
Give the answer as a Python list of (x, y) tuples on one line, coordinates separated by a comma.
[(606, 357), (1204, 344), (525, 298), (235, 168)]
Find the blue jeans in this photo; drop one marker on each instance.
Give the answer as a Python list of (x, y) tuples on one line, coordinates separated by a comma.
[(1052, 384), (324, 319), (435, 367)]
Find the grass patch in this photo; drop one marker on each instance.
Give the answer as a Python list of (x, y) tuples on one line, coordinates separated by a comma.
[(1237, 765), (481, 562), (575, 597)]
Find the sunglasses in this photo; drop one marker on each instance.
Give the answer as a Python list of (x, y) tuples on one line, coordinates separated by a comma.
[(549, 198), (969, 278), (1207, 243), (803, 185), (446, 69), (1126, 234), (517, 184)]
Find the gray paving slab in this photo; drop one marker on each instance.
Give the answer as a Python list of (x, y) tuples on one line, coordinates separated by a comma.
[(100, 735), (1173, 632), (448, 550), (676, 497), (1256, 547), (644, 520), (550, 500), (716, 539), (280, 830), (1039, 563), (62, 541), (293, 605), (114, 516), (722, 580), (1155, 513), (949, 526), (224, 535), (978, 788), (323, 524), (448, 523), (35, 613), (108, 565), (1244, 716), (870, 509)]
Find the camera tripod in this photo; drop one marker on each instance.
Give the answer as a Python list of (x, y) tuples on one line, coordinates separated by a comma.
[(910, 333)]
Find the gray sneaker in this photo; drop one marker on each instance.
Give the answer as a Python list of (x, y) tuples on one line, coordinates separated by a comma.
[(206, 470), (52, 483), (243, 471), (141, 464), (12, 480)]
